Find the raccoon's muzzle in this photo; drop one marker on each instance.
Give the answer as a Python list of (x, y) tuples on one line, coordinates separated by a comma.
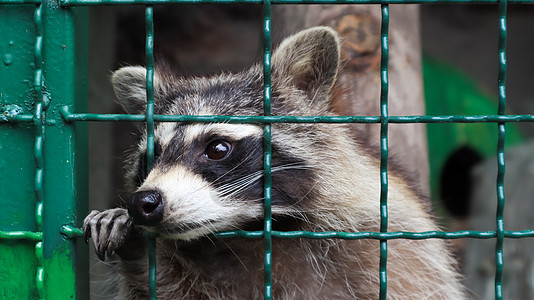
[(146, 207)]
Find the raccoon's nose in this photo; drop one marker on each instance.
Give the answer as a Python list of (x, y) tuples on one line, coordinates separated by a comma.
[(146, 207)]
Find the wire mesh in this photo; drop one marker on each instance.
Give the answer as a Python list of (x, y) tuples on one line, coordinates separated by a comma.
[(39, 123)]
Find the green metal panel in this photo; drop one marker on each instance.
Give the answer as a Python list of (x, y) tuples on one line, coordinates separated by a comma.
[(42, 160), (16, 73), (18, 263)]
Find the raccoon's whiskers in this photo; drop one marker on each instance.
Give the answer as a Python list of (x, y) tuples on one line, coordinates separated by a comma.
[(314, 96), (232, 169), (304, 196), (299, 215), (209, 225), (234, 253), (121, 199), (229, 171), (232, 188), (296, 166), (212, 228)]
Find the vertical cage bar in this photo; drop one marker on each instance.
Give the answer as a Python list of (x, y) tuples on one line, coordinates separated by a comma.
[(149, 23), (384, 90), (64, 57), (267, 149), (499, 256), (38, 120)]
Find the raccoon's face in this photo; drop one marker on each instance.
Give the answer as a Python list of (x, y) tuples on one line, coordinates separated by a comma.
[(208, 177)]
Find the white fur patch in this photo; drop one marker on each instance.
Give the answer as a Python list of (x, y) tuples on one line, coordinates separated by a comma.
[(165, 133), (193, 207), (235, 131)]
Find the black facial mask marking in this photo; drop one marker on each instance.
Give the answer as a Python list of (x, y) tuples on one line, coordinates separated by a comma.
[(239, 163)]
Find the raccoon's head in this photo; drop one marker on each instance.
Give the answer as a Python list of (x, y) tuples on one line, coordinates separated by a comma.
[(208, 177)]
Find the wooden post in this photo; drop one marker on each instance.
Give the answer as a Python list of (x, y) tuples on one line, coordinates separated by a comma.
[(359, 27)]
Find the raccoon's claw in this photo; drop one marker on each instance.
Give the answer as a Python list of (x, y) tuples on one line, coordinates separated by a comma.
[(87, 229), (108, 229)]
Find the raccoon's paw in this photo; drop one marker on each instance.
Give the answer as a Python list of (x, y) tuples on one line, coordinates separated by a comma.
[(108, 229)]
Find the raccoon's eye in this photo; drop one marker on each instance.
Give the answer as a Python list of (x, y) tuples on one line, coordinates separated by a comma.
[(217, 150)]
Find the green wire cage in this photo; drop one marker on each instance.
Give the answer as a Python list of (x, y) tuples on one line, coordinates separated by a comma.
[(43, 193)]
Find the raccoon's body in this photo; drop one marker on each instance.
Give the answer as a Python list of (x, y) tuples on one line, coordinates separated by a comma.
[(207, 177)]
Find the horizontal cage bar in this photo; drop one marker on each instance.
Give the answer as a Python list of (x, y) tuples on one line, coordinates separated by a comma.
[(73, 232), (21, 235), (65, 3), (380, 235), (77, 117), (149, 2), (301, 119)]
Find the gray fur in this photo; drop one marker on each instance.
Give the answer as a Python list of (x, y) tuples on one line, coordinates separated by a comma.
[(336, 180)]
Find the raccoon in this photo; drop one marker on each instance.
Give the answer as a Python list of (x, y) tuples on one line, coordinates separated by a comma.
[(208, 177)]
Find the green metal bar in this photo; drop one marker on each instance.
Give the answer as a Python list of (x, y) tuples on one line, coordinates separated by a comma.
[(73, 232), (149, 23), (73, 117), (16, 118), (18, 2), (403, 235), (40, 270), (152, 2), (384, 123), (21, 235), (499, 256), (39, 125), (64, 56), (380, 235), (267, 180)]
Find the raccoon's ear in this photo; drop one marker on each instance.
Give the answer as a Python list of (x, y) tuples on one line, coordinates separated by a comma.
[(129, 84), (309, 60)]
